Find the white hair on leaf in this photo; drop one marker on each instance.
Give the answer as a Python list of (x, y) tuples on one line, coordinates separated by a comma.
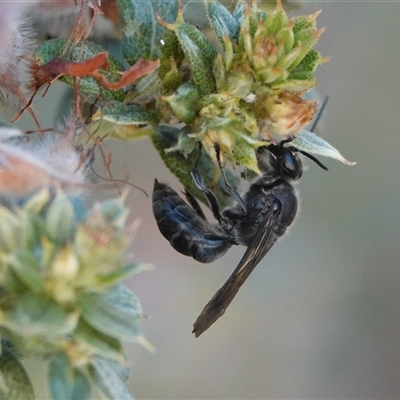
[(53, 159), (17, 42)]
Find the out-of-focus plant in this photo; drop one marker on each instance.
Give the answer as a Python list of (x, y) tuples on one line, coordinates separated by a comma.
[(61, 269), (63, 257), (62, 264)]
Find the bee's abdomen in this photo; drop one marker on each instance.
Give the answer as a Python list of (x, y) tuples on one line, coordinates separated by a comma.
[(187, 232)]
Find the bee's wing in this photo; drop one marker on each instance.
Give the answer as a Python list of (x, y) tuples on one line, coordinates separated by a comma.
[(262, 243)]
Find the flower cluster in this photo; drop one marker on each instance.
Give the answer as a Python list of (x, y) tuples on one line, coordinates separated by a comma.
[(249, 94)]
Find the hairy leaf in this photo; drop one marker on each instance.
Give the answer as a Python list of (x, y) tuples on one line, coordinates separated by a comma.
[(142, 32), (221, 20), (115, 313), (109, 376), (309, 142), (98, 342), (39, 315), (14, 381), (66, 382)]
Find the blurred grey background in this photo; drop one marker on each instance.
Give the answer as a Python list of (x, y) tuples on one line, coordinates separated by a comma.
[(320, 316)]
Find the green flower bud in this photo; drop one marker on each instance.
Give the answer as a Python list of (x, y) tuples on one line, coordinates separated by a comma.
[(184, 102), (60, 219)]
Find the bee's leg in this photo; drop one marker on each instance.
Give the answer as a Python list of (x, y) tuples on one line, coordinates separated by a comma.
[(212, 200), (229, 189), (194, 204), (210, 196)]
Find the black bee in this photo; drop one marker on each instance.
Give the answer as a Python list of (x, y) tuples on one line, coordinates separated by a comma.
[(257, 221)]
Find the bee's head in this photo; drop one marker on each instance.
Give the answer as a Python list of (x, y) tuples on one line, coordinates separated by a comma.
[(285, 162)]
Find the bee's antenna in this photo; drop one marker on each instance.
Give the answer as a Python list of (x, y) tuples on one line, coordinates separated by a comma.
[(311, 157), (314, 125), (319, 115)]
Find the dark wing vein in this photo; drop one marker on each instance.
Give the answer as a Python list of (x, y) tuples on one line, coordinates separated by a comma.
[(256, 251)]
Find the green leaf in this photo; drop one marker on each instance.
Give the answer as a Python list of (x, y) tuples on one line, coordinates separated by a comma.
[(309, 63), (221, 66), (184, 102), (122, 121), (287, 37), (124, 299), (222, 22), (32, 229), (37, 202), (302, 22), (276, 21), (308, 39), (286, 61), (245, 39), (126, 114), (306, 78), (141, 30), (114, 313), (114, 211), (14, 381), (122, 273), (66, 382), (311, 143), (238, 12), (145, 89), (244, 152), (109, 378), (171, 48), (298, 82), (28, 269), (79, 206), (38, 315), (98, 342), (200, 54), (37, 346), (10, 229)]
